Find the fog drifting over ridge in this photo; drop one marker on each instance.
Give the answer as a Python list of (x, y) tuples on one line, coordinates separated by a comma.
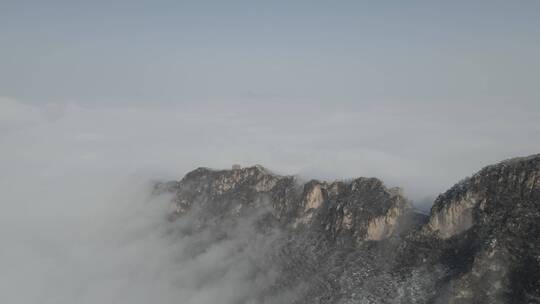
[(424, 148), (79, 226)]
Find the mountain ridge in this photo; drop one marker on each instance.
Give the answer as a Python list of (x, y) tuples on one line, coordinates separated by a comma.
[(479, 244)]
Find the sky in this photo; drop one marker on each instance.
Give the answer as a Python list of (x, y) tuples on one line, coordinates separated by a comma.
[(277, 51)]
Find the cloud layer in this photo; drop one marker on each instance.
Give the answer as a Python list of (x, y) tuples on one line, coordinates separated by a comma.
[(78, 225)]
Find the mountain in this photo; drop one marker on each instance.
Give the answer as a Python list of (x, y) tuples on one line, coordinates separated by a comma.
[(357, 241)]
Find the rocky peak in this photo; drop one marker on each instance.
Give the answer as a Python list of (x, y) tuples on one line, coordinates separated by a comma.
[(360, 242), (494, 189), (487, 227), (362, 209), (221, 192)]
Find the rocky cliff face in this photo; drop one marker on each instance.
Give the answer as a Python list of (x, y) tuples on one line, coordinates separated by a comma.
[(360, 242), (359, 210), (492, 218)]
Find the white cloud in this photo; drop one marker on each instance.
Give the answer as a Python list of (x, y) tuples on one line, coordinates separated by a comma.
[(77, 225)]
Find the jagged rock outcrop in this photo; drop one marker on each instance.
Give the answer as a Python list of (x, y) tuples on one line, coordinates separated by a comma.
[(360, 242), (494, 189), (222, 192), (363, 209), (492, 219)]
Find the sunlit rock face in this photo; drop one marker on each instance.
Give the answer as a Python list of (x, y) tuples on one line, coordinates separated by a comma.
[(485, 231), (494, 189), (359, 210), (453, 218), (358, 241)]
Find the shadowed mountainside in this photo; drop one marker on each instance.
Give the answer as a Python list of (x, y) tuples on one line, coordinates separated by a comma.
[(358, 241)]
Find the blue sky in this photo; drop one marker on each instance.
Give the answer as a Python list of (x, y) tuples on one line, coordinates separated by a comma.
[(314, 51)]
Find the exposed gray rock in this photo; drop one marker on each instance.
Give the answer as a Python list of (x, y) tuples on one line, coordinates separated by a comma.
[(360, 242), (363, 209), (492, 219)]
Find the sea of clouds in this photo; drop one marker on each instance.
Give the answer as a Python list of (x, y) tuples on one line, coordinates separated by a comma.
[(78, 223)]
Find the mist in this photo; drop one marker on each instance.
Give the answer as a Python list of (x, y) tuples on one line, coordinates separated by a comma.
[(79, 224)]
